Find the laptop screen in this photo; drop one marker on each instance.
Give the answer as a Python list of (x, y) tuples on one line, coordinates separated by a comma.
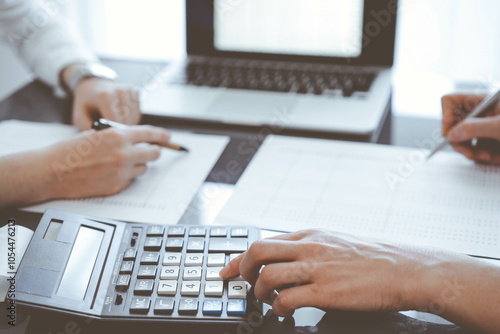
[(323, 28), (344, 32)]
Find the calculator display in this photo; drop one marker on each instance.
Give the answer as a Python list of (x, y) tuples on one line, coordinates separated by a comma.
[(80, 265)]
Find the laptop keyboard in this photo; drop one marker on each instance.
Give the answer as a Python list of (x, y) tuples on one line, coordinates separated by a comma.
[(300, 81)]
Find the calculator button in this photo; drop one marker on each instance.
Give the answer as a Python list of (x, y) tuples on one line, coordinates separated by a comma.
[(130, 254), (123, 282), (237, 290), (237, 307), (193, 260), (212, 307), (127, 267), (172, 259), (233, 256), (192, 274), (146, 272), (153, 244), (197, 232), (188, 306), (176, 231), (227, 245), (144, 287), (214, 289), (164, 305), (140, 305), (174, 244), (239, 232), (167, 288), (134, 238), (190, 288), (150, 258), (169, 273), (155, 231), (213, 274), (218, 232), (196, 245), (216, 260)]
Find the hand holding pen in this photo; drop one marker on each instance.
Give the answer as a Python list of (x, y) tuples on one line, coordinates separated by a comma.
[(471, 123), (102, 123)]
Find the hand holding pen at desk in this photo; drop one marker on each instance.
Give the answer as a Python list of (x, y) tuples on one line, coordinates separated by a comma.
[(94, 163), (476, 138)]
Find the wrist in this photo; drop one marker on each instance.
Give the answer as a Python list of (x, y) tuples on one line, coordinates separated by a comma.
[(441, 281), (74, 74), (48, 183), (423, 271)]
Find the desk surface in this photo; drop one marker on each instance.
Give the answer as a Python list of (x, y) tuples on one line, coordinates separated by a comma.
[(399, 131)]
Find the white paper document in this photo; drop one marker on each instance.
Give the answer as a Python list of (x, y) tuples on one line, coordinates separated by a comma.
[(160, 196), (17, 238), (370, 190)]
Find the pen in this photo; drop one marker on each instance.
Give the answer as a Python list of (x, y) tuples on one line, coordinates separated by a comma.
[(103, 123), (487, 103)]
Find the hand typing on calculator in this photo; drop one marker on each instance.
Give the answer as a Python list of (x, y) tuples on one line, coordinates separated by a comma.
[(332, 270)]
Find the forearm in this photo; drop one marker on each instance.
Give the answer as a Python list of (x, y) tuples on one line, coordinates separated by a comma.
[(465, 291), (25, 178)]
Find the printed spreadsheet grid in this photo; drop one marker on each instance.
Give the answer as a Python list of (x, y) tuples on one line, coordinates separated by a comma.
[(294, 184)]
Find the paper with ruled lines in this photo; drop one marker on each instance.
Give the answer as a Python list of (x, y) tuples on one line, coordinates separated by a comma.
[(160, 196), (370, 190)]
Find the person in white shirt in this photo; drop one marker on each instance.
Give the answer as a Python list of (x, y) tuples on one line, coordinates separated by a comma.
[(57, 56)]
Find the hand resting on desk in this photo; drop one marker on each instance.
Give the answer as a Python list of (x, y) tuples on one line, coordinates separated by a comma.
[(94, 163), (485, 129), (336, 271)]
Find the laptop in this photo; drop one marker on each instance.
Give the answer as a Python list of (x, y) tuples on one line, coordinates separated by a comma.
[(313, 65)]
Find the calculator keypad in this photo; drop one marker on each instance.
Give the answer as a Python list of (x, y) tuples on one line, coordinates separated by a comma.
[(174, 271)]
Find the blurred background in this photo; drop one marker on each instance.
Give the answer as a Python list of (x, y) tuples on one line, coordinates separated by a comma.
[(442, 45)]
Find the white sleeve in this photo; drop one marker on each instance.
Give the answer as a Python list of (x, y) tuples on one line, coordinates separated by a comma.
[(41, 37)]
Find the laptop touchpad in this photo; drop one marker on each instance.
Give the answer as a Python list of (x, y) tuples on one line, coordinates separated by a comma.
[(253, 107)]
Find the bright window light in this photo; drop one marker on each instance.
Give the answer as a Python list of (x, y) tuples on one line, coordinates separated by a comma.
[(142, 29)]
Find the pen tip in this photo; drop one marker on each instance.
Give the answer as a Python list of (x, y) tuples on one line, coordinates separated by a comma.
[(183, 149)]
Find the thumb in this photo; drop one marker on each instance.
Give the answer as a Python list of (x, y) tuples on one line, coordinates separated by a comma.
[(82, 117), (476, 128)]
